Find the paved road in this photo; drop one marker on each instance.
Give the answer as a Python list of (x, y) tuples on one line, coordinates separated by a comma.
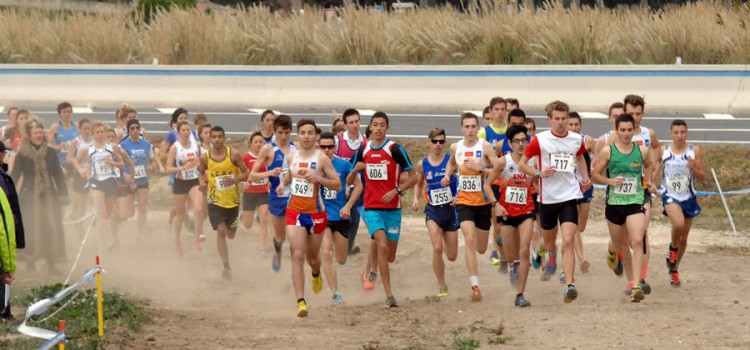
[(704, 128)]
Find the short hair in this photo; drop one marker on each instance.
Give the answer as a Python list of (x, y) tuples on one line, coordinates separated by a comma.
[(303, 122), (512, 101), (380, 115), (556, 106), (217, 129), (436, 132), (83, 122), (200, 118), (11, 109), (265, 113), (518, 113), (337, 129), (531, 121), (283, 121), (486, 110), (624, 118), (254, 134), (614, 106), (496, 100), (176, 114), (327, 136), (677, 122), (634, 100), (575, 115), (63, 105), (515, 129), (349, 112), (469, 115)]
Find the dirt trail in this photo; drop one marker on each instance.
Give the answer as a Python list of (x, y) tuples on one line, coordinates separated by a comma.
[(194, 308)]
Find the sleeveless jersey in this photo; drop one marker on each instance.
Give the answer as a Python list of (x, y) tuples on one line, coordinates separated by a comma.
[(344, 150), (629, 166), (435, 194), (219, 192), (279, 161), (587, 158), (470, 190), (98, 168), (140, 152), (383, 167), (515, 193), (182, 155), (63, 138), (335, 200), (305, 195), (82, 144), (679, 182), (493, 137), (561, 152), (260, 186)]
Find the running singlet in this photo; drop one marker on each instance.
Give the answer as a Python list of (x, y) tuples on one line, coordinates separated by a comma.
[(493, 137), (259, 186), (279, 161), (587, 158), (435, 194), (382, 173), (470, 190), (335, 200), (220, 192), (305, 195), (82, 144), (63, 138), (140, 152), (678, 182), (560, 152), (98, 168), (630, 167), (515, 193), (346, 148), (182, 155)]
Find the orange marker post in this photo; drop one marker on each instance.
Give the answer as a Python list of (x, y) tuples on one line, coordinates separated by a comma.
[(62, 330), (99, 306)]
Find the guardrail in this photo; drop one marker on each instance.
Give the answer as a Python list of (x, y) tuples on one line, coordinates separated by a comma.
[(708, 88)]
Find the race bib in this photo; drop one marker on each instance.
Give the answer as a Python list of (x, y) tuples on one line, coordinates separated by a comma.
[(261, 182), (140, 171), (301, 188), (563, 162), (222, 183), (516, 195), (329, 194), (629, 186), (441, 196), (101, 168), (190, 174), (377, 172), (677, 183), (470, 183)]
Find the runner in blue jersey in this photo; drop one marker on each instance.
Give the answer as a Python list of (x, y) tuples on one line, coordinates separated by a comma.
[(440, 213), (273, 155), (141, 153), (339, 207), (62, 133)]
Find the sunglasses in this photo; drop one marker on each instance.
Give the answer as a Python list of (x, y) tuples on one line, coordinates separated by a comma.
[(327, 146), (437, 142)]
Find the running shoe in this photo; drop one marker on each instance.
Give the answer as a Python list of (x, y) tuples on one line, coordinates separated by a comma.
[(276, 262), (503, 266), (301, 308), (671, 259), (536, 258), (552, 267), (494, 258), (674, 278), (562, 277), (570, 294), (227, 274), (476, 294), (629, 289), (390, 302), (202, 238), (514, 273), (612, 260), (317, 283), (337, 300), (546, 275), (521, 301), (355, 250), (369, 282), (618, 269), (443, 292), (645, 287), (637, 294)]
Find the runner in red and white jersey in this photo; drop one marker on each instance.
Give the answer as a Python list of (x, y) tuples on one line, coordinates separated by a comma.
[(255, 194)]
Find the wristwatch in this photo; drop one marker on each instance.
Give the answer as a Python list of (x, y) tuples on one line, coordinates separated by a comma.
[(538, 174), (400, 192)]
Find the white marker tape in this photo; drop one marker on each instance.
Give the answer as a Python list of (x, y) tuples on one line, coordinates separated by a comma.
[(166, 110), (82, 110), (592, 115), (718, 116)]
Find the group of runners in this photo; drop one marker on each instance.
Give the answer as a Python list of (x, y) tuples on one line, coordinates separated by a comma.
[(527, 187)]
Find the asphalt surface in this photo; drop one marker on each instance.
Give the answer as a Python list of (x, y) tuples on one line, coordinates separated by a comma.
[(703, 128)]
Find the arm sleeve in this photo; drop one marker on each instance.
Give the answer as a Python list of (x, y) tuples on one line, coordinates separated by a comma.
[(401, 157), (533, 149)]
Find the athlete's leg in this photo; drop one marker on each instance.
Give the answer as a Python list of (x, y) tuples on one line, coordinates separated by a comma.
[(636, 229), (200, 209), (313, 252), (646, 246), (327, 259), (386, 253), (142, 195), (583, 219), (680, 228), (221, 243), (248, 216), (468, 229), (263, 217), (340, 247), (438, 265), (481, 240), (618, 237), (510, 242), (524, 233), (298, 242), (180, 201), (569, 231), (102, 213)]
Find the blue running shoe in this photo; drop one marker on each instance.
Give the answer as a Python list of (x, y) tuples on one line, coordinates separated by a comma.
[(552, 265), (536, 258), (494, 258), (513, 274), (276, 262)]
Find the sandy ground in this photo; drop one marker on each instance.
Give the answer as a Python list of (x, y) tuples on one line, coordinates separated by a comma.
[(194, 308)]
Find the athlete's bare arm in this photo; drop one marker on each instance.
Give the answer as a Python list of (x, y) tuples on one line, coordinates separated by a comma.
[(202, 177), (117, 161), (451, 168), (590, 143), (171, 155), (265, 156), (418, 186), (72, 148), (600, 166), (345, 212), (287, 179), (648, 164), (84, 172), (696, 166), (51, 136), (581, 163)]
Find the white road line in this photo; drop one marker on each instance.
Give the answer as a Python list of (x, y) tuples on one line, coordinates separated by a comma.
[(477, 113), (82, 110), (2, 109), (593, 115), (166, 110), (258, 111), (366, 112), (718, 116)]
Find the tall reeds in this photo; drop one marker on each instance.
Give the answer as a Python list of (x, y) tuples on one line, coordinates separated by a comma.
[(700, 32)]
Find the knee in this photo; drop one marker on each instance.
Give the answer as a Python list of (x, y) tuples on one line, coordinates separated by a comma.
[(298, 255), (636, 242), (470, 241), (327, 253), (568, 240), (437, 250), (524, 254), (341, 259), (452, 256)]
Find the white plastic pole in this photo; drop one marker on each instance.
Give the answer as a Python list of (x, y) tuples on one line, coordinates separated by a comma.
[(721, 193)]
